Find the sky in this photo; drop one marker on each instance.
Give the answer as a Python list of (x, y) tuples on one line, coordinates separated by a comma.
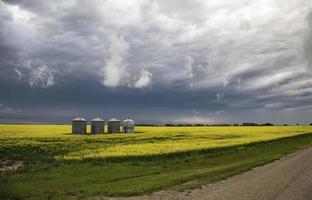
[(156, 61)]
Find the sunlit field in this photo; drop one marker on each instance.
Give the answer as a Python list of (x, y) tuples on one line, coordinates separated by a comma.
[(153, 158)]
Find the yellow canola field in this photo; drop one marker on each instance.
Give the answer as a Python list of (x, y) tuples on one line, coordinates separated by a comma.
[(147, 140)]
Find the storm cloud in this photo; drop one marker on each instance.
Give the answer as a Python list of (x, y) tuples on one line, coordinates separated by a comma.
[(156, 61)]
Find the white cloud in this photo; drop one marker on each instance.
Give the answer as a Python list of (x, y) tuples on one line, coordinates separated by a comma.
[(195, 119), (144, 80), (212, 118), (189, 62), (220, 96), (18, 14), (19, 73), (115, 70), (8, 110), (219, 112), (274, 105), (36, 73), (42, 76), (271, 80)]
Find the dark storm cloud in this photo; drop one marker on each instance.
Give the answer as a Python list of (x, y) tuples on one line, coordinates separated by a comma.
[(155, 60)]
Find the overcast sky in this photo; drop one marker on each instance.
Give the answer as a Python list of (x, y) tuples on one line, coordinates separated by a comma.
[(158, 61)]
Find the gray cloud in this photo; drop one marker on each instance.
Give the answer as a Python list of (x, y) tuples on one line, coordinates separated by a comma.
[(216, 55), (308, 43)]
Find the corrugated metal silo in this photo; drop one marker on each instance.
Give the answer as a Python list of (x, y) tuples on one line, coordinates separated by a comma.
[(79, 126), (97, 126), (128, 126), (114, 125)]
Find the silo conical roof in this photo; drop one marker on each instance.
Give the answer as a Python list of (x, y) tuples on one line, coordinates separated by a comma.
[(114, 120), (128, 122), (97, 119), (79, 119)]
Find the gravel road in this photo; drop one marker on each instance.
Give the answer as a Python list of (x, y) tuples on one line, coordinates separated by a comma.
[(289, 178)]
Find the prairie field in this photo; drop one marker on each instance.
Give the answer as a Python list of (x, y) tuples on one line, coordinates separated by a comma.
[(154, 158)]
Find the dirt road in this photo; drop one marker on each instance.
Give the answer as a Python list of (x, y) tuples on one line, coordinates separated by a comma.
[(287, 179)]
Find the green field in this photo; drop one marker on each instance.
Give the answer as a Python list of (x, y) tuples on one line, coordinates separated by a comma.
[(61, 165)]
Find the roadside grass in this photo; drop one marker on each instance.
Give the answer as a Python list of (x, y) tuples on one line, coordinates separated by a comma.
[(48, 173)]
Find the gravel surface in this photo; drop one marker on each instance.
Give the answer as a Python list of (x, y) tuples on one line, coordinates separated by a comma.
[(289, 178)]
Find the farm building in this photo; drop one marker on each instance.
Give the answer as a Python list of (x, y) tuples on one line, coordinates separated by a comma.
[(79, 126), (114, 125), (128, 126), (97, 126)]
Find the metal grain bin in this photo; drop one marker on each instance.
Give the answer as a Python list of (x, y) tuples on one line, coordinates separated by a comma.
[(97, 126), (79, 126), (128, 126), (114, 125)]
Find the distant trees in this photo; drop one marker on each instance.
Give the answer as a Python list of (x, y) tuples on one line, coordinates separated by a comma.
[(146, 125), (249, 124), (199, 124), (255, 124), (267, 124)]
